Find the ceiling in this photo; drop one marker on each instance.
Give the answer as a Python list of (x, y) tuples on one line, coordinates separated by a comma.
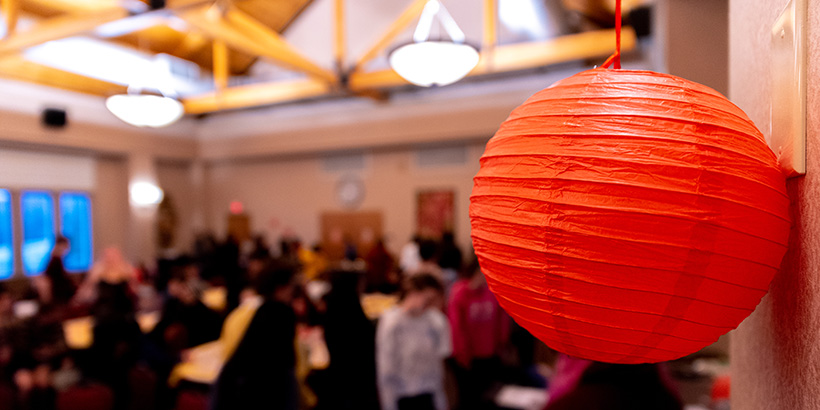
[(236, 54)]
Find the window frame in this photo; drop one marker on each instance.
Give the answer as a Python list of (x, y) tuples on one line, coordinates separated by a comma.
[(59, 226), (54, 220), (16, 194), (14, 259)]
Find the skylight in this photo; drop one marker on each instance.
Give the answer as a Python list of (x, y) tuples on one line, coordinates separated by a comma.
[(526, 18), (119, 65)]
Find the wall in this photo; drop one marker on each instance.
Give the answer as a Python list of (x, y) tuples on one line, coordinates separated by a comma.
[(693, 37), (110, 204), (289, 194), (20, 169), (179, 183), (775, 353)]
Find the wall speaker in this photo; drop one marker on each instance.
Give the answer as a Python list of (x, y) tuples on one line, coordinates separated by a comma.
[(54, 118)]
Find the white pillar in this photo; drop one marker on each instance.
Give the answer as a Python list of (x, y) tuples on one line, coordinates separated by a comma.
[(142, 235)]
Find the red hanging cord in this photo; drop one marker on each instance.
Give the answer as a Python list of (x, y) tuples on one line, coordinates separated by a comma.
[(616, 58)]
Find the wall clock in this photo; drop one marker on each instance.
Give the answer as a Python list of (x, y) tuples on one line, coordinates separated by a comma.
[(350, 192)]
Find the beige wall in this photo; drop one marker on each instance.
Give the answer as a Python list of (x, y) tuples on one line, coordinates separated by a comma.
[(178, 183), (25, 130), (775, 353), (284, 194), (110, 203), (695, 33)]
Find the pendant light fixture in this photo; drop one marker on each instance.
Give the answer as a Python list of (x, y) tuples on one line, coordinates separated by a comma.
[(148, 110), (427, 62)]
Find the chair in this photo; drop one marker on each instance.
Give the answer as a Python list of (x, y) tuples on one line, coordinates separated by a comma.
[(191, 400), (142, 386), (7, 397), (86, 397)]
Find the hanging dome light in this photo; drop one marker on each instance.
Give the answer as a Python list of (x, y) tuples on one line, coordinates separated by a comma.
[(142, 110), (434, 62), (146, 110)]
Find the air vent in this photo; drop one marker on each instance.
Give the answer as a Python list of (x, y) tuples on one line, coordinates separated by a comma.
[(433, 157)]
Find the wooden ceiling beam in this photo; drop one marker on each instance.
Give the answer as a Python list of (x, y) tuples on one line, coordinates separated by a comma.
[(253, 95), (586, 45), (71, 25), (11, 10), (521, 56), (221, 68), (192, 42), (243, 33), (51, 8), (405, 18), (340, 43), (58, 27), (286, 53), (489, 36), (507, 58)]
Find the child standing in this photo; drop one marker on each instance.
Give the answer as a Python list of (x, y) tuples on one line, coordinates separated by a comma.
[(412, 341)]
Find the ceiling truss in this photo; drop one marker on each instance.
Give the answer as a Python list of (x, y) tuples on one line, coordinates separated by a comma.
[(233, 36)]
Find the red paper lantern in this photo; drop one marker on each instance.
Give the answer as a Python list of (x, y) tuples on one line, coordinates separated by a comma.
[(629, 216)]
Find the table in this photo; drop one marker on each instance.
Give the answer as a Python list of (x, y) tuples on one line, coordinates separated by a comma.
[(79, 332)]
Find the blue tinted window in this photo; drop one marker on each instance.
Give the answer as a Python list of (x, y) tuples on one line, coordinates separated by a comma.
[(75, 224), (6, 241), (37, 209)]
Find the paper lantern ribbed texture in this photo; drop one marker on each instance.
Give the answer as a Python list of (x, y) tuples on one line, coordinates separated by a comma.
[(628, 216)]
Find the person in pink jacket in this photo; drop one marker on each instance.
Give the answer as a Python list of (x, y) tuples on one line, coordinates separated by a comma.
[(480, 330)]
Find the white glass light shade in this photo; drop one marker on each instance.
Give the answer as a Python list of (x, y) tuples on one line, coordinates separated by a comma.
[(430, 63), (145, 194), (145, 110)]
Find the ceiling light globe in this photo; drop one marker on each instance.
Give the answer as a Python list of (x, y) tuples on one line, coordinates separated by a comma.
[(145, 110), (429, 63)]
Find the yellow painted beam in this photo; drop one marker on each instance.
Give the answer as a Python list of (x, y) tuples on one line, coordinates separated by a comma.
[(507, 58), (57, 28), (340, 38), (70, 25), (11, 10), (360, 81), (243, 33), (15, 67), (220, 65), (490, 19), (401, 23), (50, 8), (572, 47), (255, 95), (192, 42), (521, 56)]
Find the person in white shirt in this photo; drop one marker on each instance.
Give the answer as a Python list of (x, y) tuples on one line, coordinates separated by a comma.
[(412, 341), (410, 258)]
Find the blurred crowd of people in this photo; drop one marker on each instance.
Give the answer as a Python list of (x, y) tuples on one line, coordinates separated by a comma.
[(291, 333)]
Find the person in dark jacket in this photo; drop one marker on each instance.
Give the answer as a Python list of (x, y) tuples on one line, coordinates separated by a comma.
[(60, 286), (351, 342), (260, 374)]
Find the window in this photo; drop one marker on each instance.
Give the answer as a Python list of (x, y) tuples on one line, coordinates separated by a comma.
[(42, 213), (37, 208), (75, 225), (6, 240)]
